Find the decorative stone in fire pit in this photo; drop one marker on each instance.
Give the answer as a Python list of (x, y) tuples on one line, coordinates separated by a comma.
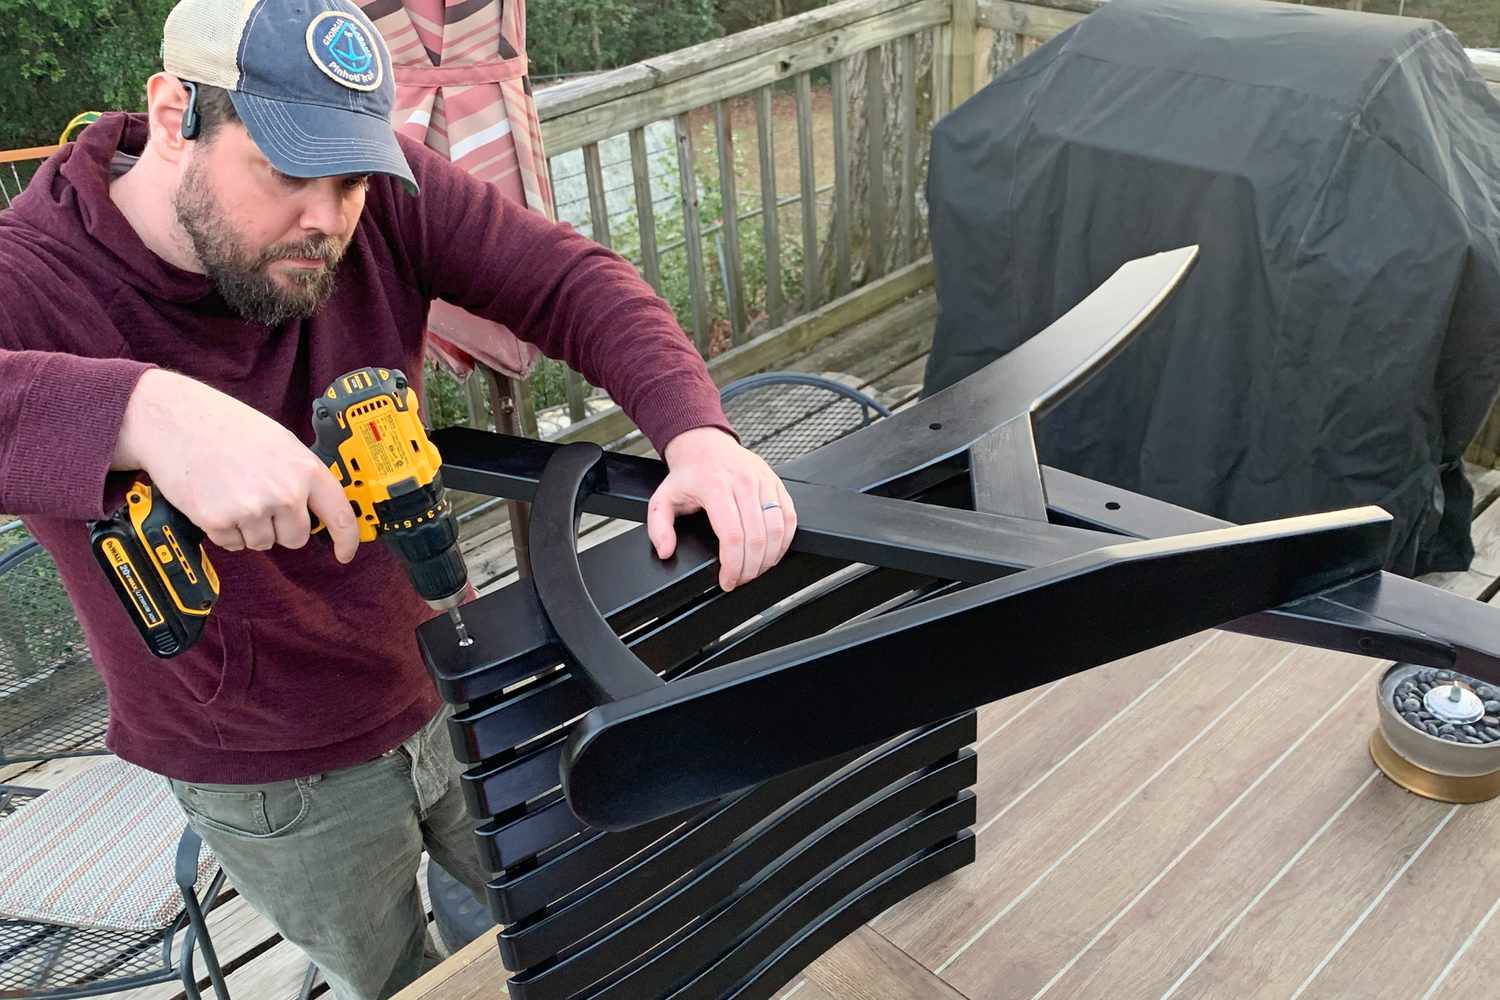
[(1439, 733)]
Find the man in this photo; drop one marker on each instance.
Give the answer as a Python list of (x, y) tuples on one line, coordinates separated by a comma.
[(175, 288)]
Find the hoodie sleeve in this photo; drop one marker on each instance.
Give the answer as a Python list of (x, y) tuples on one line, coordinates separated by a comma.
[(572, 297), (60, 413)]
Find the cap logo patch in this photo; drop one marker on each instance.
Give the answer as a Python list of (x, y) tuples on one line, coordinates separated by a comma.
[(344, 50)]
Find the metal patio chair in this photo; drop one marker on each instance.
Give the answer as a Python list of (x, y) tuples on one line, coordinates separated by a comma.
[(52, 700), (100, 880), (782, 415), (53, 704), (102, 888)]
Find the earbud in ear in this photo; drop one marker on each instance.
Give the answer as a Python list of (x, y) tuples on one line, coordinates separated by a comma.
[(190, 120)]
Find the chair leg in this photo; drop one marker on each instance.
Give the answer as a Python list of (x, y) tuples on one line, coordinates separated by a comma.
[(309, 980), (199, 927), (187, 873)]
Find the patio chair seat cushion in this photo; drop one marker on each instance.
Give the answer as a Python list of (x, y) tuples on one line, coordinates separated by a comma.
[(99, 850)]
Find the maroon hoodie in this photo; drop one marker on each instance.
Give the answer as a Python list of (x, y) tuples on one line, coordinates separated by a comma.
[(306, 665)]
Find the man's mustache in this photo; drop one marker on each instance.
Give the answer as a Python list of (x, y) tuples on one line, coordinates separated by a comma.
[(327, 249)]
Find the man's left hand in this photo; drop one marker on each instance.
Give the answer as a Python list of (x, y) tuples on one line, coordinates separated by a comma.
[(747, 505)]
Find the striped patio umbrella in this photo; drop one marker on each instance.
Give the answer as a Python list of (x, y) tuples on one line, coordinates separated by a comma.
[(461, 88)]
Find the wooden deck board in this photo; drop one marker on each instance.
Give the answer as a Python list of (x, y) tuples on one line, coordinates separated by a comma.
[(1486, 483), (865, 966), (236, 930), (871, 349), (1437, 903), (1300, 922), (803, 989), (1486, 534), (1066, 910), (1212, 885), (1031, 810), (472, 973), (1322, 828), (1470, 972), (998, 716), (275, 967), (1245, 851), (48, 774)]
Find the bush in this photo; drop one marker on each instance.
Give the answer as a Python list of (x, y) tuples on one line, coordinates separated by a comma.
[(39, 626), (67, 56), (577, 36), (671, 230), (447, 399)]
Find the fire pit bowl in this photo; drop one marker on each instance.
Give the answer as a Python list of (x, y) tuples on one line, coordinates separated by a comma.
[(1439, 733)]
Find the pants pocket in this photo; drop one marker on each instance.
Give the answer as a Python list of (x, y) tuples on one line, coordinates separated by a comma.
[(258, 811)]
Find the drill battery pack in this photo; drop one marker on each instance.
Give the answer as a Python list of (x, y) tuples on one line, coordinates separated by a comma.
[(153, 557)]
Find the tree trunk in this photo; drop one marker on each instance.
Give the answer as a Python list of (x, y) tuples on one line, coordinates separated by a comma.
[(872, 253)]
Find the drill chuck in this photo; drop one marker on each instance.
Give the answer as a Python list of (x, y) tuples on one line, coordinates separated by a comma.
[(442, 579), (418, 527)]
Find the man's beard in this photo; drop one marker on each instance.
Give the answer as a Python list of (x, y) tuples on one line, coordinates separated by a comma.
[(244, 279)]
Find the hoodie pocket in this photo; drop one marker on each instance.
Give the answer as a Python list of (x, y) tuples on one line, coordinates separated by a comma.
[(285, 689), (236, 661)]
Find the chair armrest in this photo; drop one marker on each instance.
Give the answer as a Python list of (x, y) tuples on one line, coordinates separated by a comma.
[(188, 849), (8, 793)]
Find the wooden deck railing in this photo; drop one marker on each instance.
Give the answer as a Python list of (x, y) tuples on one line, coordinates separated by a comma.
[(12, 164), (863, 251)]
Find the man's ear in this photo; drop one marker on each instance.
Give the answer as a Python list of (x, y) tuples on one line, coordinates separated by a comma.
[(166, 103)]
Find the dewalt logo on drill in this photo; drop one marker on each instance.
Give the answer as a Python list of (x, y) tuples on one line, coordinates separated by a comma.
[(120, 562)]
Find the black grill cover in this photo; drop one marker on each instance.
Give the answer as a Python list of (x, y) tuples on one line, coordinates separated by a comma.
[(1339, 341)]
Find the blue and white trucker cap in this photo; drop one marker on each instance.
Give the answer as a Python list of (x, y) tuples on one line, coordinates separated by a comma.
[(311, 79)]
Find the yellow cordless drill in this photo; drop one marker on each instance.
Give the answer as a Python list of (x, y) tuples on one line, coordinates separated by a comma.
[(369, 434)]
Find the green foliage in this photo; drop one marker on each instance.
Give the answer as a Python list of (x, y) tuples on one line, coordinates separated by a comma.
[(1475, 22), (67, 56), (14, 538), (577, 36), (738, 15), (447, 401), (40, 629), (549, 383), (571, 36), (667, 25)]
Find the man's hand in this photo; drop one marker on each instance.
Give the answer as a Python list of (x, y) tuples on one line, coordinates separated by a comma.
[(747, 505), (233, 471)]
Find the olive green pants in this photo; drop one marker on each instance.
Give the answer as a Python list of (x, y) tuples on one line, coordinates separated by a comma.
[(331, 859)]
